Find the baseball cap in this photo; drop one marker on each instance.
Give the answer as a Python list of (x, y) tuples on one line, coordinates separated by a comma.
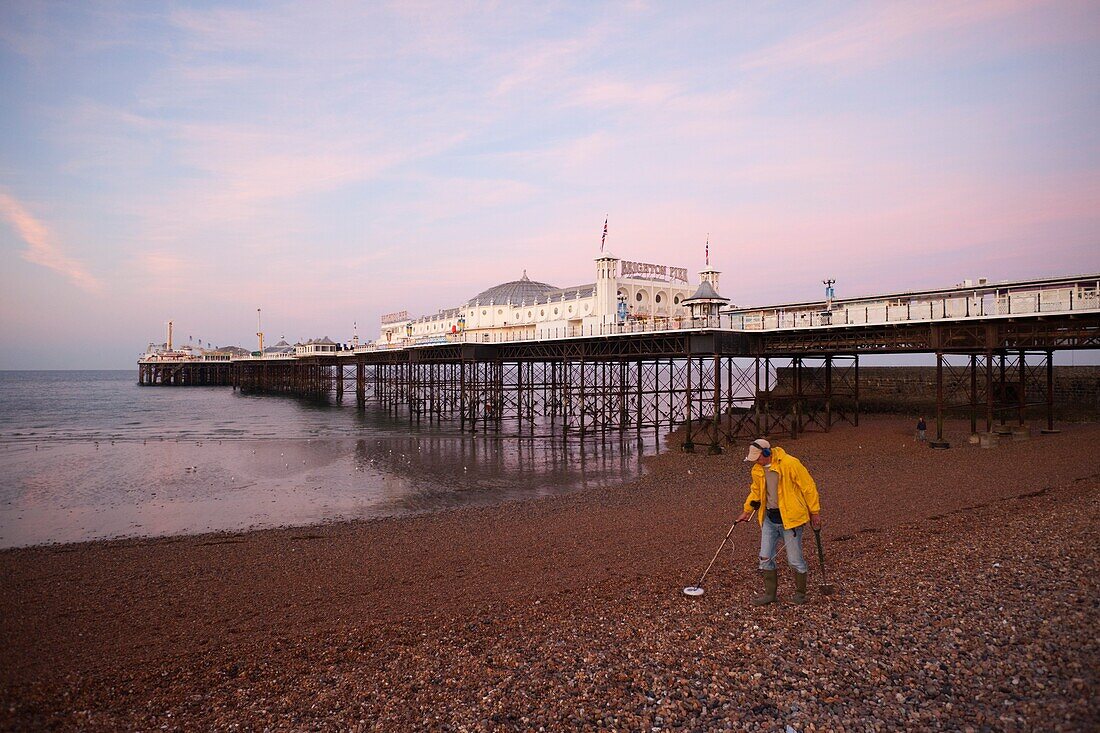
[(758, 446)]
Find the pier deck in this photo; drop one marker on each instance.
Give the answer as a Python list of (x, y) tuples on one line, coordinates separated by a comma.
[(717, 384)]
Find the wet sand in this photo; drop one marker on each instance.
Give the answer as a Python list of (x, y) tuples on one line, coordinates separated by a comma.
[(967, 596), (81, 490)]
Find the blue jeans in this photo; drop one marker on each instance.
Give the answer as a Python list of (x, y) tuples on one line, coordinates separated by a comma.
[(770, 533)]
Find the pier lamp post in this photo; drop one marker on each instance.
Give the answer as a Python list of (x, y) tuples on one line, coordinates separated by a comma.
[(827, 314), (260, 331)]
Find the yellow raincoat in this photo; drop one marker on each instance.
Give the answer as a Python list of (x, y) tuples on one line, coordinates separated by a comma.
[(797, 491)]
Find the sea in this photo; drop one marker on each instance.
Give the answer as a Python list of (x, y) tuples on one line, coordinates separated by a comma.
[(91, 455)]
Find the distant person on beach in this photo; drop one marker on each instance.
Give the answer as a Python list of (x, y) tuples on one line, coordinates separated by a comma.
[(921, 427), (788, 497)]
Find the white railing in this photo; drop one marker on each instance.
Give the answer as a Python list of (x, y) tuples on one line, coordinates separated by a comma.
[(960, 307)]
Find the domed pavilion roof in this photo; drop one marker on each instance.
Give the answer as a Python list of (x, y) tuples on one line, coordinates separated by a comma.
[(517, 291)]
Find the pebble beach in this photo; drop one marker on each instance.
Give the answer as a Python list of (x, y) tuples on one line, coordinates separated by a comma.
[(966, 599)]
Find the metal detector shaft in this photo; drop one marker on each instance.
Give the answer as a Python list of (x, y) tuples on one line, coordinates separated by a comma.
[(716, 554)]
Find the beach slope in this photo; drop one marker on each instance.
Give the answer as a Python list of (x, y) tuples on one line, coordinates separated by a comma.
[(967, 597)]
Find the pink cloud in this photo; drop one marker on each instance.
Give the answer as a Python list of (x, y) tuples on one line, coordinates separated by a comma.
[(880, 32), (547, 64), (41, 249), (613, 93)]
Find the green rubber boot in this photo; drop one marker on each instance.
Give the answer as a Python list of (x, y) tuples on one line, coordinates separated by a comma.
[(771, 584), (799, 588)]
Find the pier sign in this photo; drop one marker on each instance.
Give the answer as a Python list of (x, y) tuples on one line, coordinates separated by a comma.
[(647, 271), (395, 317)]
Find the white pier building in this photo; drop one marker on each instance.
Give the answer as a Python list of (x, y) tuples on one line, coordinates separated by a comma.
[(626, 295)]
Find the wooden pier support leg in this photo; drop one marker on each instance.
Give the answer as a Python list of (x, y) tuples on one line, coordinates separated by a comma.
[(498, 390), (582, 406), (624, 395), (672, 395), (339, 381), (462, 396), (565, 394), (796, 418), (1021, 409), (419, 389), (715, 427), (688, 445), (1050, 395), (555, 400), (756, 403), (434, 387), (939, 442), (360, 383), (1003, 394), (519, 397), (974, 398), (727, 408), (856, 388), (989, 391)]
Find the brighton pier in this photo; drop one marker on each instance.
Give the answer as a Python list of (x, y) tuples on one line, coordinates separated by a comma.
[(640, 350)]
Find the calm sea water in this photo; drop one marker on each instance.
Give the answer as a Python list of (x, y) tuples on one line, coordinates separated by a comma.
[(90, 455)]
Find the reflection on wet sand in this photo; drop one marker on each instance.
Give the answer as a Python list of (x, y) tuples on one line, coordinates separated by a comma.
[(72, 490), (92, 455), (431, 472)]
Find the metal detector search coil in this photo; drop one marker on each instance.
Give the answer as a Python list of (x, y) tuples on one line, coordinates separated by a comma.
[(697, 590)]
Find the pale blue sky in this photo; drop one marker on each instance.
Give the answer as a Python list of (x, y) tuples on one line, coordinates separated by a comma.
[(332, 161)]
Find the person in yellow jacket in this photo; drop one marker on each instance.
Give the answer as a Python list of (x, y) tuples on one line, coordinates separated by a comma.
[(788, 495)]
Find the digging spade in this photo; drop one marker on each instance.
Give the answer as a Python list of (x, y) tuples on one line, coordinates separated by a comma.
[(824, 588)]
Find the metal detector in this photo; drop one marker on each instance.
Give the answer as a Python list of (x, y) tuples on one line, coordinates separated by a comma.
[(697, 589)]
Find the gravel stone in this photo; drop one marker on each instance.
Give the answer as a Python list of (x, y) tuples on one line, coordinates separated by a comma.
[(967, 599)]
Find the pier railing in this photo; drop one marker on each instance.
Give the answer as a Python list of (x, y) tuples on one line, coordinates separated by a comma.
[(955, 307)]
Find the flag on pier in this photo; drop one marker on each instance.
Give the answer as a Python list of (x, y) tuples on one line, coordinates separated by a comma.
[(708, 251), (603, 240)]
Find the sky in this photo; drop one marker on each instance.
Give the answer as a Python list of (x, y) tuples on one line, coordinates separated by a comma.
[(329, 162)]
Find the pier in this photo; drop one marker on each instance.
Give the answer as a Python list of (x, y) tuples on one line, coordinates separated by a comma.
[(781, 370)]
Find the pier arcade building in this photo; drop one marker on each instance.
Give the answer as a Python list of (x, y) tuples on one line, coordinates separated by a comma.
[(624, 293)]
